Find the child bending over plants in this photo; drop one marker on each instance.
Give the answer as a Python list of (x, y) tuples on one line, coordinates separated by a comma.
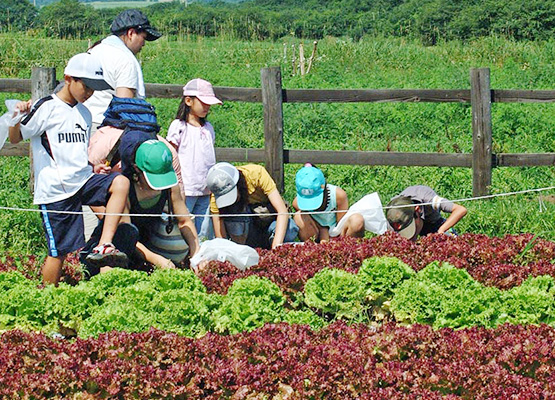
[(320, 206), (417, 212), (247, 208)]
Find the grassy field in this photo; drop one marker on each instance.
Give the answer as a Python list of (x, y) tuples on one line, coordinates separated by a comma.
[(378, 63)]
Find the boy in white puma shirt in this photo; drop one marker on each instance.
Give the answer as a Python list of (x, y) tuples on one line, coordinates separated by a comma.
[(59, 129)]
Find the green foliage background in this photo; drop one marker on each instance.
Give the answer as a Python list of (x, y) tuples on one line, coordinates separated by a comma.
[(371, 62), (428, 20)]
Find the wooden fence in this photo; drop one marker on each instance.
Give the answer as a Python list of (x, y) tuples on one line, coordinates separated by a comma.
[(272, 95)]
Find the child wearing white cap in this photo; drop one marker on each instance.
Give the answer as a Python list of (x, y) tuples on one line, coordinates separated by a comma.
[(59, 129), (193, 137), (237, 193)]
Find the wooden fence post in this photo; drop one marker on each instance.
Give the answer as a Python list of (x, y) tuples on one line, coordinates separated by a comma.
[(480, 98), (272, 101), (43, 82)]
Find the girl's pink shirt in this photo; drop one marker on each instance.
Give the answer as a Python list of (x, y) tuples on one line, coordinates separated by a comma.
[(195, 149)]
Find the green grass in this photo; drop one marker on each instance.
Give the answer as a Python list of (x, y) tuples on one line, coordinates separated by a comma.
[(374, 63)]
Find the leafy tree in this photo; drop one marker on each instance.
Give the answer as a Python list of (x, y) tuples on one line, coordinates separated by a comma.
[(428, 20), (16, 15), (71, 19)]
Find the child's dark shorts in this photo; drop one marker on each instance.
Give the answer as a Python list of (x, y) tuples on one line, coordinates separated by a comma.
[(65, 232)]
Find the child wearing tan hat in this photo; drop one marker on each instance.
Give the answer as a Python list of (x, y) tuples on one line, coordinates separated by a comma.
[(416, 211)]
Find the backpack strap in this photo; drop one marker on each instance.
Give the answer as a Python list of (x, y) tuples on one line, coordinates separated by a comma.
[(113, 156), (170, 224)]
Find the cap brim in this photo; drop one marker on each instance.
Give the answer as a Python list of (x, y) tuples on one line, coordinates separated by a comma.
[(152, 34), (310, 203), (210, 100), (96, 84), (225, 200), (161, 181), (409, 231)]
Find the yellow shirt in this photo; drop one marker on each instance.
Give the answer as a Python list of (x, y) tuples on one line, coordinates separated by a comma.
[(259, 185)]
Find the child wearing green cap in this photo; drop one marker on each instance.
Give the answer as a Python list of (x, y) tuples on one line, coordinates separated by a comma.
[(320, 206), (154, 190), (154, 184)]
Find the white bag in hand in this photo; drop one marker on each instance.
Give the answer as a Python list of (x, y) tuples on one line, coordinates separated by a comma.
[(370, 207), (8, 119), (220, 249)]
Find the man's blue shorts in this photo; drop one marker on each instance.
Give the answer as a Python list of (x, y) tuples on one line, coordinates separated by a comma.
[(64, 232)]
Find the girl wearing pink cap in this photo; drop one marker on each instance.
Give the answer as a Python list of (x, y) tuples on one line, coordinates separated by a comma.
[(193, 137)]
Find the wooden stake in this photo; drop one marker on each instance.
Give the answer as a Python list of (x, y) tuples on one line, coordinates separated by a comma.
[(312, 56), (294, 60), (301, 58)]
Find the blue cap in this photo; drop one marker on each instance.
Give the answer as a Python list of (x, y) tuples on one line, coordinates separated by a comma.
[(310, 183)]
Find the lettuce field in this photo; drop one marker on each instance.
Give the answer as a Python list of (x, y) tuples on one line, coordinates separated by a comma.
[(468, 317)]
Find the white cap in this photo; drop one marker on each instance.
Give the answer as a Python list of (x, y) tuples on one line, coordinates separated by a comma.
[(87, 67), (222, 181)]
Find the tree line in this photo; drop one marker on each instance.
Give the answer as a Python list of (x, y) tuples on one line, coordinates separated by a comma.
[(428, 20)]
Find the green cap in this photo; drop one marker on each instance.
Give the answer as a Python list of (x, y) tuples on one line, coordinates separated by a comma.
[(155, 160)]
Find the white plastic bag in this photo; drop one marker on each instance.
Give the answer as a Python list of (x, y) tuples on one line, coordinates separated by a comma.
[(8, 119), (370, 207), (220, 249)]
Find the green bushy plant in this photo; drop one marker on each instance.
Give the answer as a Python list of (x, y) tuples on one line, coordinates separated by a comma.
[(169, 279), (532, 302), (381, 275), (444, 296), (250, 303), (118, 316), (117, 279), (184, 311), (305, 317), (71, 305), (335, 292)]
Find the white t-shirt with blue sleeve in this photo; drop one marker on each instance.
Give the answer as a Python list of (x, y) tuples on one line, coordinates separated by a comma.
[(59, 135)]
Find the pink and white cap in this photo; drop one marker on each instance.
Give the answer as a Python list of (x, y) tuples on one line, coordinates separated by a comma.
[(202, 90)]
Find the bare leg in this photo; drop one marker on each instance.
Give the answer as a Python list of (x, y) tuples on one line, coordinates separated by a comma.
[(354, 226), (52, 269), (116, 205), (308, 228)]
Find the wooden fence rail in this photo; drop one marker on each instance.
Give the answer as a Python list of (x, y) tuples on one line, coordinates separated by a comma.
[(272, 95)]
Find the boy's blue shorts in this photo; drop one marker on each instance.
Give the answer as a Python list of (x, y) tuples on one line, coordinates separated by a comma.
[(65, 232)]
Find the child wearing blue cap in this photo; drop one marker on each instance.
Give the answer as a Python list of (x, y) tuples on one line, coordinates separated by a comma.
[(320, 206)]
